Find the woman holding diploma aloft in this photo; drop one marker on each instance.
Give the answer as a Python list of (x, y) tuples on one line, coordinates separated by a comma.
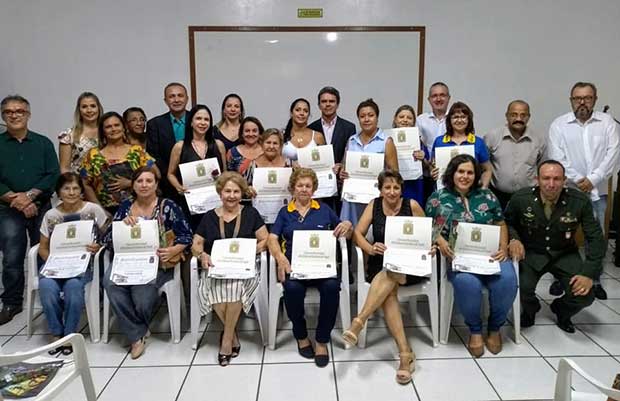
[(135, 305), (384, 284), (464, 200), (70, 190), (198, 144), (304, 213), (228, 296), (370, 139)]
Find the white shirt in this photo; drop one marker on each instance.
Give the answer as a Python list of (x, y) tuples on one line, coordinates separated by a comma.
[(587, 150), (430, 128), (328, 129)]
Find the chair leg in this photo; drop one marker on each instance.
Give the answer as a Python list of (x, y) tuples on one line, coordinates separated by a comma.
[(345, 313), (261, 307), (272, 325), (92, 313), (413, 309), (362, 294), (447, 300), (29, 311), (194, 321), (516, 318), (433, 306), (106, 318), (174, 312)]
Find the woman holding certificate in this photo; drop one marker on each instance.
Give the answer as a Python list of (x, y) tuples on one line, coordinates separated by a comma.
[(198, 144), (228, 296), (227, 129), (240, 157), (70, 190), (463, 200), (304, 213), (107, 169), (371, 139), (135, 305), (297, 134), (384, 283)]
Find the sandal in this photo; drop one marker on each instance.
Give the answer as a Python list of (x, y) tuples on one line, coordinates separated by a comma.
[(404, 376), (349, 336), (223, 359), (236, 349)]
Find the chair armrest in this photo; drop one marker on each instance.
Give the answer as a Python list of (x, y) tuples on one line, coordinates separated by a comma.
[(33, 269), (361, 274), (75, 339), (345, 262), (563, 381)]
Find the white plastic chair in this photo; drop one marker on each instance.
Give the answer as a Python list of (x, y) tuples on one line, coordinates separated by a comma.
[(446, 303), (410, 293), (66, 374), (91, 292), (563, 382), (276, 291), (260, 303), (174, 298)]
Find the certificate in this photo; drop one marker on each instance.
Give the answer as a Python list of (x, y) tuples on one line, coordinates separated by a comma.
[(233, 258), (475, 243), (408, 242), (313, 254), (443, 156), (406, 141), (271, 186), (199, 179), (321, 160), (68, 255), (363, 169), (135, 252)]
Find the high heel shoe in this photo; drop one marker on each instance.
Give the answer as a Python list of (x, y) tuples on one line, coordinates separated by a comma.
[(404, 376), (223, 359), (237, 349), (350, 336)]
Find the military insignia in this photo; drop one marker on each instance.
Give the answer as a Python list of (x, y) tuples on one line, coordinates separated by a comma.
[(408, 228), (272, 177), (401, 136), (233, 247), (316, 155), (529, 208), (454, 152), (71, 232), (529, 216), (364, 162), (476, 235), (135, 232), (314, 241), (201, 171)]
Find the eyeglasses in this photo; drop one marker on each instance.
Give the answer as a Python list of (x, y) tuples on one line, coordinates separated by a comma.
[(137, 120), (580, 99), (16, 113)]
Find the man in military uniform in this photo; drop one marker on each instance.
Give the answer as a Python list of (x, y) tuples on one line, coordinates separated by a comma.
[(542, 221)]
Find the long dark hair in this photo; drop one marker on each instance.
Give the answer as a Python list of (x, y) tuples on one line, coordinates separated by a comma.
[(289, 124), (448, 175), (189, 130), (463, 108)]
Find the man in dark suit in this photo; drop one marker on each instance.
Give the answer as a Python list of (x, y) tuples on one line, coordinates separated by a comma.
[(336, 130), (163, 131)]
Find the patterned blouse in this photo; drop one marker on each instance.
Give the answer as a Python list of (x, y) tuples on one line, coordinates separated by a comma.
[(78, 150), (237, 162), (448, 209), (98, 172)]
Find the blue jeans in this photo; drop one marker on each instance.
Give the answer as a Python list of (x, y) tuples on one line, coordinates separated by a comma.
[(468, 296), (294, 295), (15, 229), (135, 305), (70, 304)]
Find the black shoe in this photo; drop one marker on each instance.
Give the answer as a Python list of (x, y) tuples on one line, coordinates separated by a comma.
[(307, 351), (527, 319), (321, 360), (563, 322), (236, 349), (556, 289), (8, 312), (599, 291)]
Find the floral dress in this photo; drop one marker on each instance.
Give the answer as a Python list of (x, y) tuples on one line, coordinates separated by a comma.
[(98, 172), (79, 150)]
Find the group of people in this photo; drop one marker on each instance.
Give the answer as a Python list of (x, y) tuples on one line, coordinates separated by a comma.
[(538, 189)]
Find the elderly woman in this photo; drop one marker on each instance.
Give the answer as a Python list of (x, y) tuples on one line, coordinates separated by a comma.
[(460, 132), (464, 200), (371, 139), (384, 284), (135, 305), (135, 123), (297, 134), (271, 142), (228, 296), (75, 142), (198, 144), (240, 157), (107, 169), (304, 213), (63, 312), (227, 129)]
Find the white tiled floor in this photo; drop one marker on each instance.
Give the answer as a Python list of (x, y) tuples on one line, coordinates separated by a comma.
[(175, 372)]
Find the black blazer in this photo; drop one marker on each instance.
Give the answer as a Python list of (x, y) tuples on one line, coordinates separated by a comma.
[(343, 130), (159, 142)]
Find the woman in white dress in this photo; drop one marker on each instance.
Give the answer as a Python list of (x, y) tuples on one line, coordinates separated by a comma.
[(297, 135)]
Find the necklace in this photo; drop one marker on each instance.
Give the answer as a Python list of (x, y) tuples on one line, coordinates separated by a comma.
[(201, 150)]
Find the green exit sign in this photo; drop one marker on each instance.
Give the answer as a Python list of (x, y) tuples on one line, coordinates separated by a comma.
[(309, 13)]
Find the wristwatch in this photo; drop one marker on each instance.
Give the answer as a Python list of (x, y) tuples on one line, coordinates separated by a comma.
[(31, 195)]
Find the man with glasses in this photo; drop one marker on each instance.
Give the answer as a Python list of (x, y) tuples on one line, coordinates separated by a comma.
[(515, 151), (586, 143), (28, 173)]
